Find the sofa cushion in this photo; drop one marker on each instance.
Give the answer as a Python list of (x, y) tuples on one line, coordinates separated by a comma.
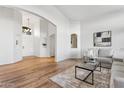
[(118, 63), (117, 79), (118, 68), (118, 82), (118, 54), (118, 59), (117, 74)]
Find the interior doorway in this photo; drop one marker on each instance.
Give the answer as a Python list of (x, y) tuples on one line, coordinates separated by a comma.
[(52, 45), (27, 45), (41, 41)]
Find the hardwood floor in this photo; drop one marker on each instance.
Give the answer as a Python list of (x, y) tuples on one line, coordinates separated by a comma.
[(32, 72)]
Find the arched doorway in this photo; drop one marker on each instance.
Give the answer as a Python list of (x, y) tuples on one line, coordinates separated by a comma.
[(44, 43)]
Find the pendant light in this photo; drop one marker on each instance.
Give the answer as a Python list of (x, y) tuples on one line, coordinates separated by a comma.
[(26, 29)]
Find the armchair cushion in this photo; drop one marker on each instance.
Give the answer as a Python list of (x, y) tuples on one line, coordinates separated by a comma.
[(105, 53), (104, 59)]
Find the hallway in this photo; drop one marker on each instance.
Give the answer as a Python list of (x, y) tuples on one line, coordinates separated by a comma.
[(32, 72)]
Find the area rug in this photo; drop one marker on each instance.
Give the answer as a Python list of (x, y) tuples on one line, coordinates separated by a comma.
[(66, 79)]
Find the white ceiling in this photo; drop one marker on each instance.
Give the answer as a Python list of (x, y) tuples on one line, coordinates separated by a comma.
[(88, 12), (32, 18)]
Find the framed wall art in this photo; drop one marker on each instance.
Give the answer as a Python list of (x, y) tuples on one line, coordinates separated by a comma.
[(102, 39)]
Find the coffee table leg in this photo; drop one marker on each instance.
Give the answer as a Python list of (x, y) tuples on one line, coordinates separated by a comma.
[(92, 78), (100, 66), (75, 72), (91, 73)]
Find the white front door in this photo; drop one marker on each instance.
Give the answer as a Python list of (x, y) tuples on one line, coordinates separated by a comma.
[(27, 45)]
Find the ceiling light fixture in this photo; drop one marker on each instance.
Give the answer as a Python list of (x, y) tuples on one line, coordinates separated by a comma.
[(26, 29)]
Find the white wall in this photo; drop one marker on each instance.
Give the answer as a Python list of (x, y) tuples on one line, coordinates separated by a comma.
[(62, 24), (37, 34), (10, 29), (115, 23), (17, 26), (75, 29), (51, 29)]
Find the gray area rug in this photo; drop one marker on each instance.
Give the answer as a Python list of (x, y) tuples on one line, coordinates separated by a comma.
[(66, 79)]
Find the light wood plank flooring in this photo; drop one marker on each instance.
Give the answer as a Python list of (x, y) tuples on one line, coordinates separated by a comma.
[(32, 72)]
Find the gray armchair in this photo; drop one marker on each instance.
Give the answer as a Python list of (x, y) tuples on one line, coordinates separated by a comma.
[(105, 56)]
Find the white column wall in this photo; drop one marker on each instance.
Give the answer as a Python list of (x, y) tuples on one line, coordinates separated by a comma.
[(44, 50), (37, 34), (18, 36), (10, 24)]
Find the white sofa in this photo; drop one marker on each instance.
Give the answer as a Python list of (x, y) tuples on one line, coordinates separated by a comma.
[(117, 70), (117, 75)]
